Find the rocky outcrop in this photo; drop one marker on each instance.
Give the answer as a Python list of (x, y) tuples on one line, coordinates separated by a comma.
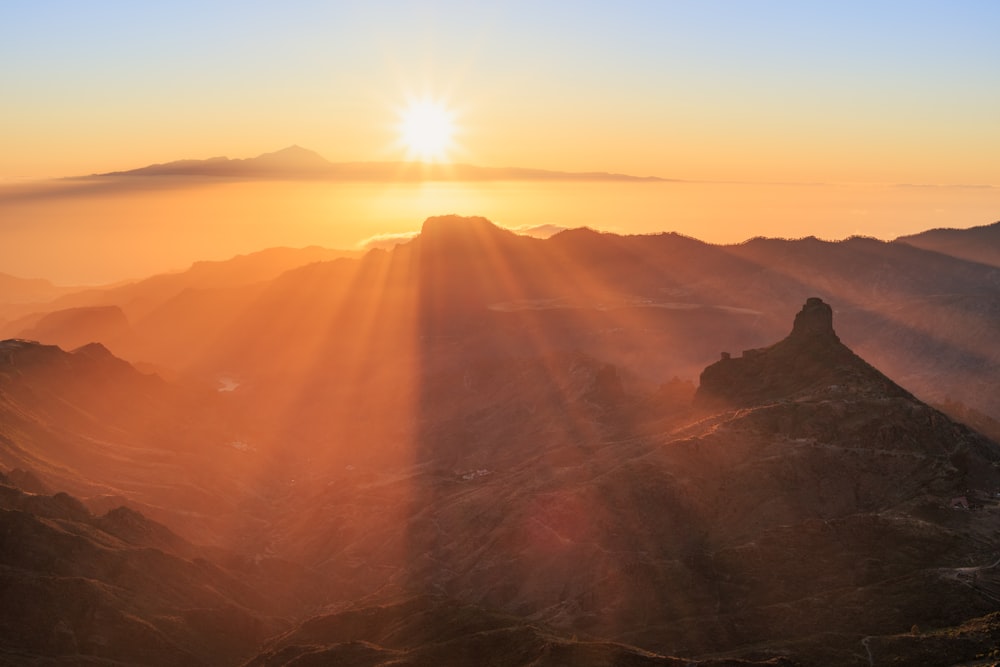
[(814, 322), (810, 360)]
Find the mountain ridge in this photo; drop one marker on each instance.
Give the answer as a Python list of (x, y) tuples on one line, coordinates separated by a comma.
[(297, 162)]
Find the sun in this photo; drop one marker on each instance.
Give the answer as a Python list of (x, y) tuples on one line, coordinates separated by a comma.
[(426, 129)]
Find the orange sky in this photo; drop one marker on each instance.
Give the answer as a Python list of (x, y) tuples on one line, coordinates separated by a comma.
[(895, 92), (862, 97)]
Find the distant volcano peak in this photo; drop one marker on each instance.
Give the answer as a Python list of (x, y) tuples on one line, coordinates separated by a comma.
[(444, 224), (293, 151)]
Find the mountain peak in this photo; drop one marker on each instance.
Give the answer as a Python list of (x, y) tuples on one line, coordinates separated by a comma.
[(443, 223), (293, 151), (293, 158), (814, 321), (811, 360)]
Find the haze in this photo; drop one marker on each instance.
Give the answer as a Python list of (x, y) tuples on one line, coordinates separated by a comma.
[(419, 332), (90, 237), (858, 97)]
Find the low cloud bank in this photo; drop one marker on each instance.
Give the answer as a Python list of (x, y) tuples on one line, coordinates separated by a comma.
[(386, 241)]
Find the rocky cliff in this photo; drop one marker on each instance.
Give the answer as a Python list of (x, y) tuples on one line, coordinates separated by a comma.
[(810, 360)]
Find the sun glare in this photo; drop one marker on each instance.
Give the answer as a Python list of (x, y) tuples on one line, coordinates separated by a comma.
[(426, 129)]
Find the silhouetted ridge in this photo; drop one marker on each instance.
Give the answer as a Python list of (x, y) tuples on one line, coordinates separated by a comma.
[(93, 351), (298, 162), (460, 227), (810, 360), (293, 158)]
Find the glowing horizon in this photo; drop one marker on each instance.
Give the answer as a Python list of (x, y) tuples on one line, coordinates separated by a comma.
[(784, 119), (707, 91)]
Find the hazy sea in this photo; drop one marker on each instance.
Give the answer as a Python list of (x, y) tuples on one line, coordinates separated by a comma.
[(75, 232)]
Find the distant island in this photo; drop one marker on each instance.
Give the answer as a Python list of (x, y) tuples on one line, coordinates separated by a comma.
[(297, 163)]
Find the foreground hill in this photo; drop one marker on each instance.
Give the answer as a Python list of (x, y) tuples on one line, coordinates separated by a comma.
[(117, 588), (531, 504)]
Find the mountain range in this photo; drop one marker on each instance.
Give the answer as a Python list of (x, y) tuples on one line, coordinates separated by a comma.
[(295, 162), (590, 449), (923, 313)]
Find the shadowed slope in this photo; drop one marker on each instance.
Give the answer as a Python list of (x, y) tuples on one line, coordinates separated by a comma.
[(977, 244), (440, 632), (117, 589)]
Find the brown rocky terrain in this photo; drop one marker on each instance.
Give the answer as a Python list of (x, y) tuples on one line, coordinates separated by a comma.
[(77, 588), (803, 510), (977, 244), (435, 631), (478, 440)]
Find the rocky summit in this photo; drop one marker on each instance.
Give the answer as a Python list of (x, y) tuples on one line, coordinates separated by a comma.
[(811, 359)]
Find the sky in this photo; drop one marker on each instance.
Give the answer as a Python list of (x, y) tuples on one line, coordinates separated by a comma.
[(784, 118), (749, 91)]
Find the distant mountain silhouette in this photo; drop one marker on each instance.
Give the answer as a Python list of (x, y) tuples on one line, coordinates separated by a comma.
[(296, 162), (74, 327), (976, 244), (25, 290), (290, 162), (139, 299)]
